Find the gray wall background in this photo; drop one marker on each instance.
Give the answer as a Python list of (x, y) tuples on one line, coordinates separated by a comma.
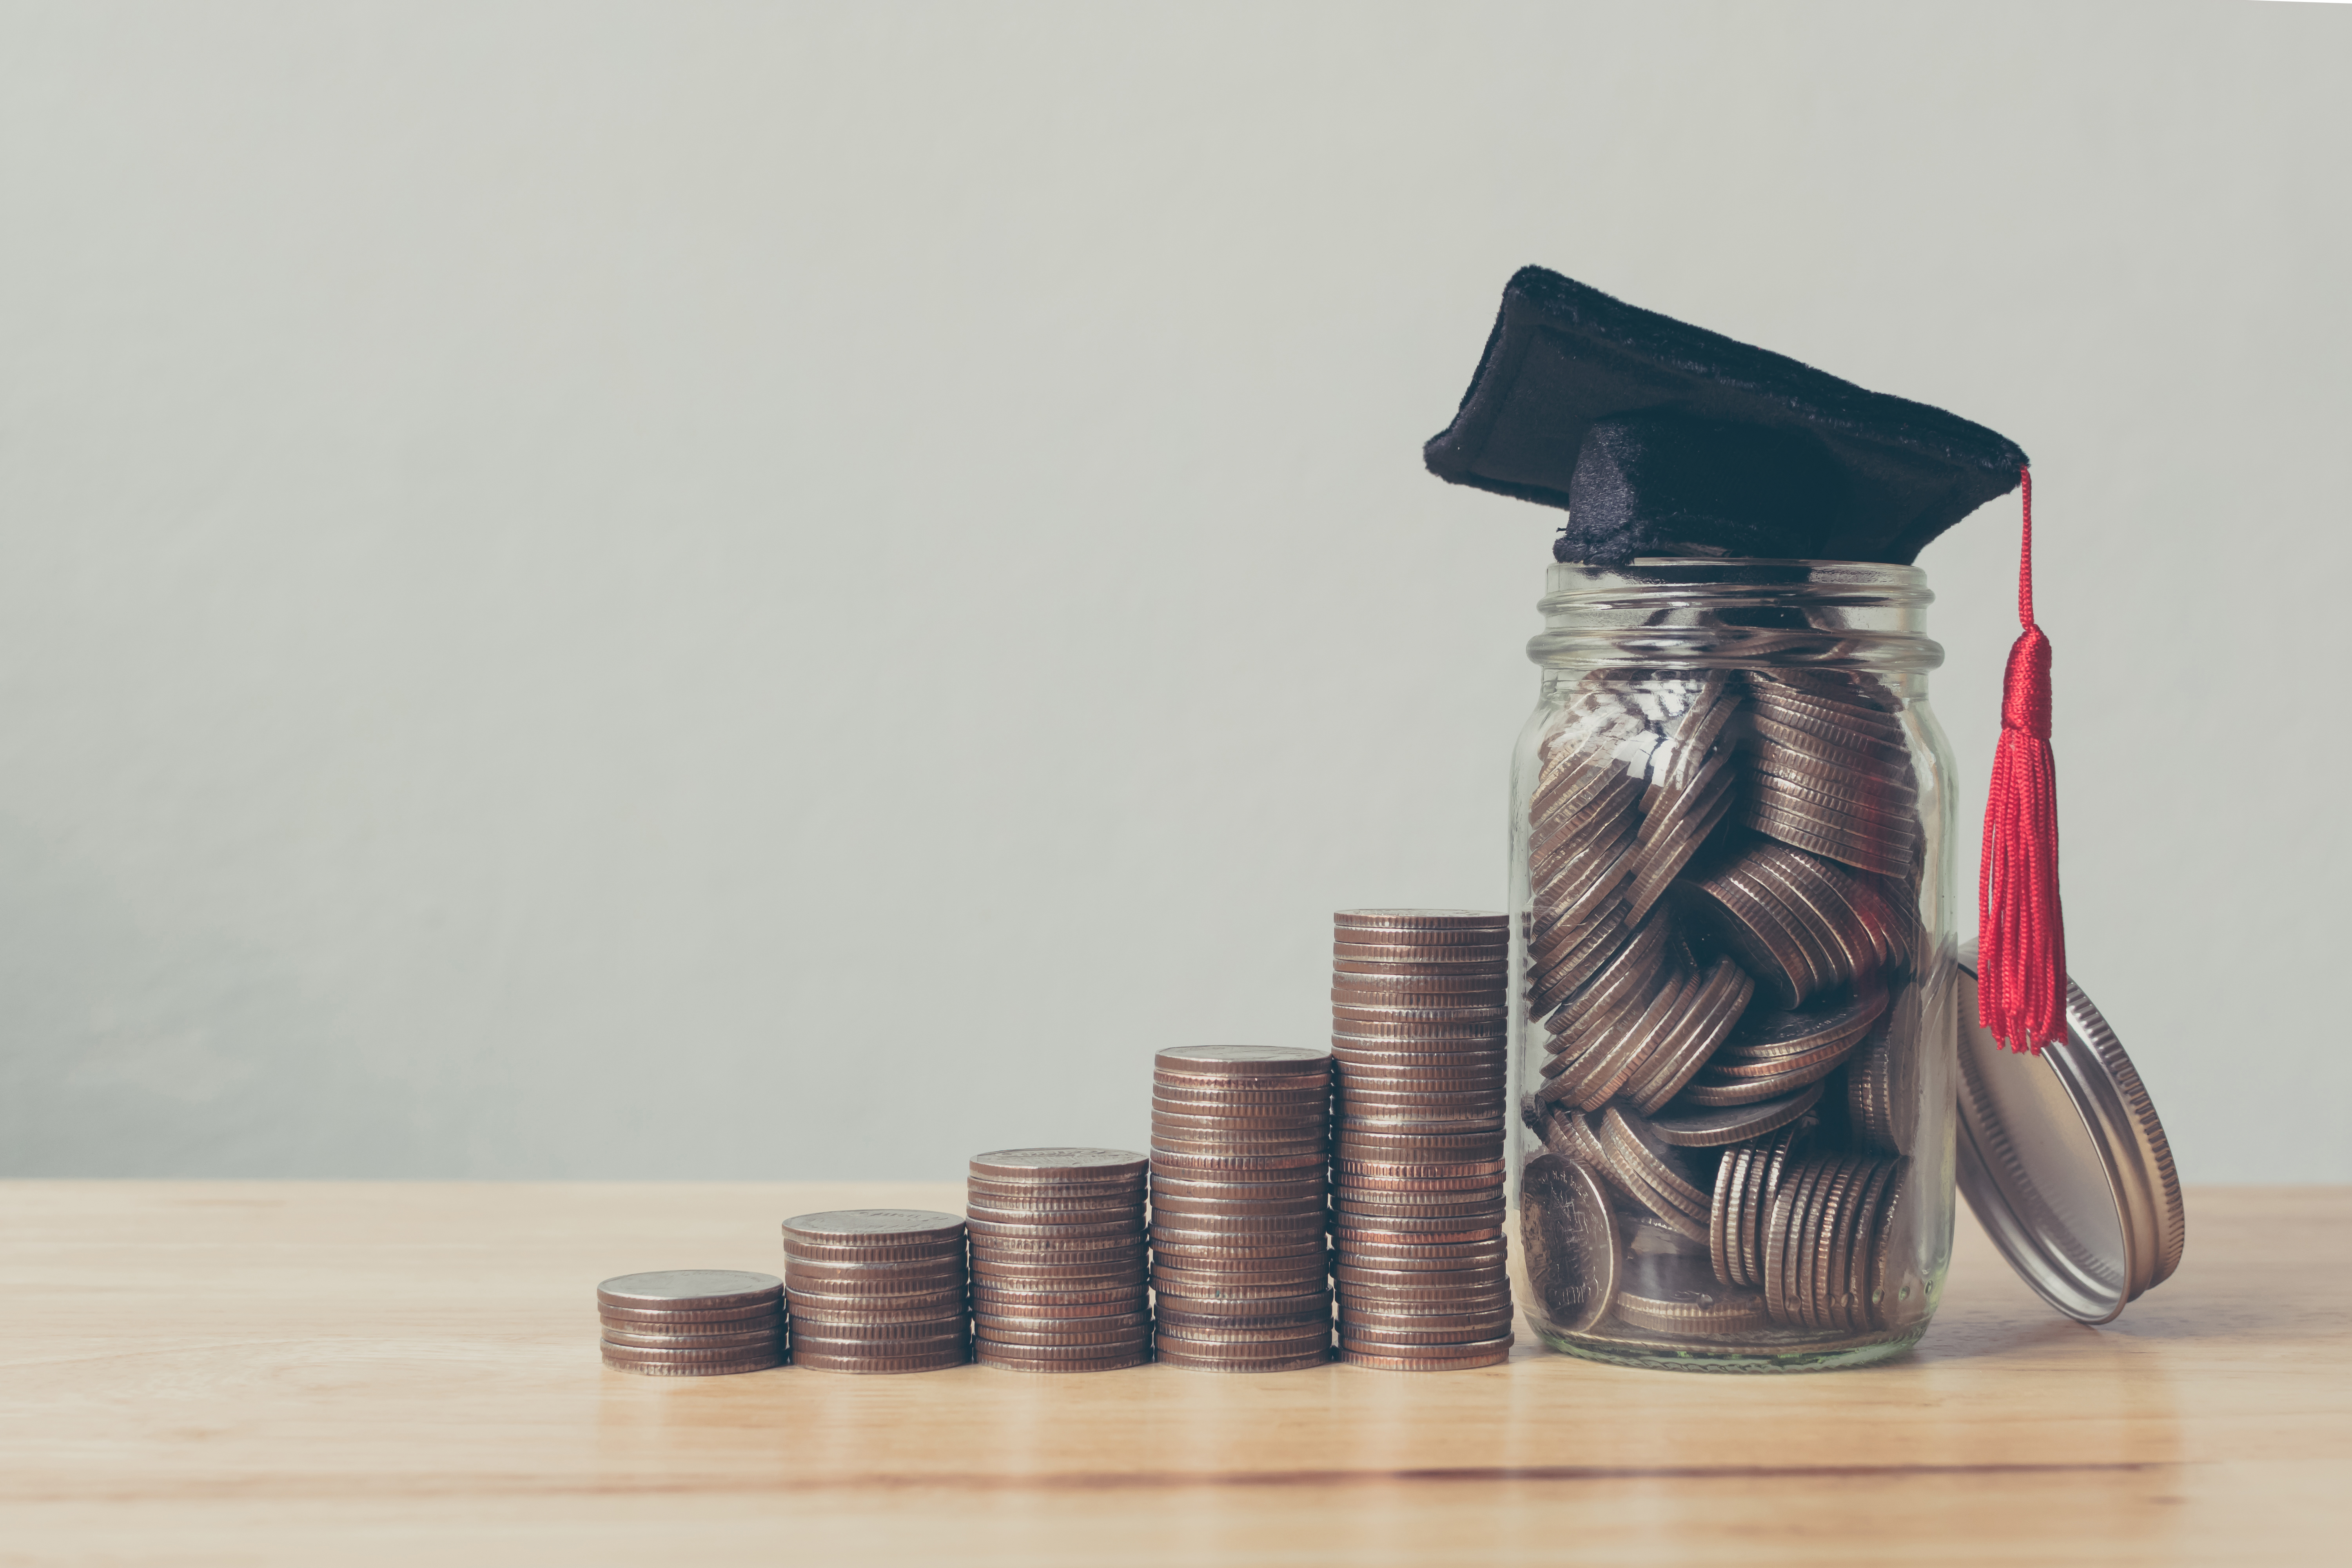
[(703, 590)]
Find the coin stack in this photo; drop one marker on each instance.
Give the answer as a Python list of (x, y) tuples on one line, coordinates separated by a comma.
[(1058, 1259), (1724, 879), (876, 1289), (1240, 1260), (692, 1322), (1419, 1005)]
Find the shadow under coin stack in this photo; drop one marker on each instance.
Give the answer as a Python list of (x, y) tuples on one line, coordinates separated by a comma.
[(1057, 1274), (876, 1290), (1240, 1256), (1419, 1002), (692, 1322)]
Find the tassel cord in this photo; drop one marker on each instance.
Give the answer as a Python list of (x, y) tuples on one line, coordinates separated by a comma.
[(2021, 938)]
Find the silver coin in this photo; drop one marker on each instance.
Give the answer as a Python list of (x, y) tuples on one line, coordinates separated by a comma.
[(1712, 1128), (692, 1290), (1567, 1231)]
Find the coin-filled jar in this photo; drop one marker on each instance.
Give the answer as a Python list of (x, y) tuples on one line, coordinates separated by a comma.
[(1734, 1024)]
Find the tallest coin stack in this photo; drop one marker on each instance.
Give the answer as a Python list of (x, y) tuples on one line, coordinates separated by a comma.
[(1418, 1009)]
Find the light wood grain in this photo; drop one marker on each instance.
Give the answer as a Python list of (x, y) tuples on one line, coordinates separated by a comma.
[(200, 1372)]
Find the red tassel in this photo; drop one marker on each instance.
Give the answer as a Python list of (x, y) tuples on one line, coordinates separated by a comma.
[(2020, 931)]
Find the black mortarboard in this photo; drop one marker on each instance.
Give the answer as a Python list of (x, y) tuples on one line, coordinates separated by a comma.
[(1667, 440)]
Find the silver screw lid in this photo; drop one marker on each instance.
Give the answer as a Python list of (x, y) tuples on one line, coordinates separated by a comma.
[(2065, 1162)]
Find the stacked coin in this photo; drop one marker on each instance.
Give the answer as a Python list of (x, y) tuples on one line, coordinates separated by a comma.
[(876, 1289), (1723, 875), (692, 1322), (1058, 1259), (1420, 999), (1240, 1260), (1831, 1243), (1831, 769)]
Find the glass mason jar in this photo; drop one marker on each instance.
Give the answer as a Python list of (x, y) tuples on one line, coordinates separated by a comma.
[(1731, 901)]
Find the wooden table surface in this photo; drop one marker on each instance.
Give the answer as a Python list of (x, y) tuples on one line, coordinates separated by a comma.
[(199, 1372)]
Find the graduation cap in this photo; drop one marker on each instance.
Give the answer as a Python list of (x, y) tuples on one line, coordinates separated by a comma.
[(1662, 438)]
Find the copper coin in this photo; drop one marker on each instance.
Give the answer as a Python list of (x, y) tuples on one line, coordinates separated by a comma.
[(1243, 1341), (1465, 921), (1723, 1208), (1060, 1305), (1436, 1257), (1268, 1277), (1411, 1342), (724, 1320), (1205, 1260), (882, 1365), (1492, 1353), (1409, 954), (1349, 1015), (1119, 1273), (1074, 1249), (1083, 1348), (917, 1255), (1233, 1080), (1682, 1296), (871, 1280), (1246, 1167), (1254, 1230), (837, 1226), (1005, 1362), (1118, 1222), (990, 1214), (1417, 1169), (1567, 1228), (1355, 1229), (1199, 1119), (1433, 990), (644, 1355), (1296, 1184), (742, 1340), (876, 1308), (1488, 967), (932, 1325), (1699, 1128), (692, 1289), (1386, 1034), (1368, 1105), (1712, 1088), (1171, 1308), (1261, 1061), (1485, 1323), (1385, 1280), (1660, 1167), (1208, 1098), (1424, 1060), (1474, 1208), (1002, 1323), (698, 1369), (1410, 1186), (1171, 1204), (1211, 1364), (1440, 1086), (987, 1295), (1045, 1165), (997, 1200)]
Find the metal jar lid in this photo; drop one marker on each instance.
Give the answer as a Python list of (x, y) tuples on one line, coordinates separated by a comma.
[(2063, 1161)]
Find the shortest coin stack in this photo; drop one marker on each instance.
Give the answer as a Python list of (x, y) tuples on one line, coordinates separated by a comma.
[(1057, 1275), (692, 1322), (876, 1289)]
